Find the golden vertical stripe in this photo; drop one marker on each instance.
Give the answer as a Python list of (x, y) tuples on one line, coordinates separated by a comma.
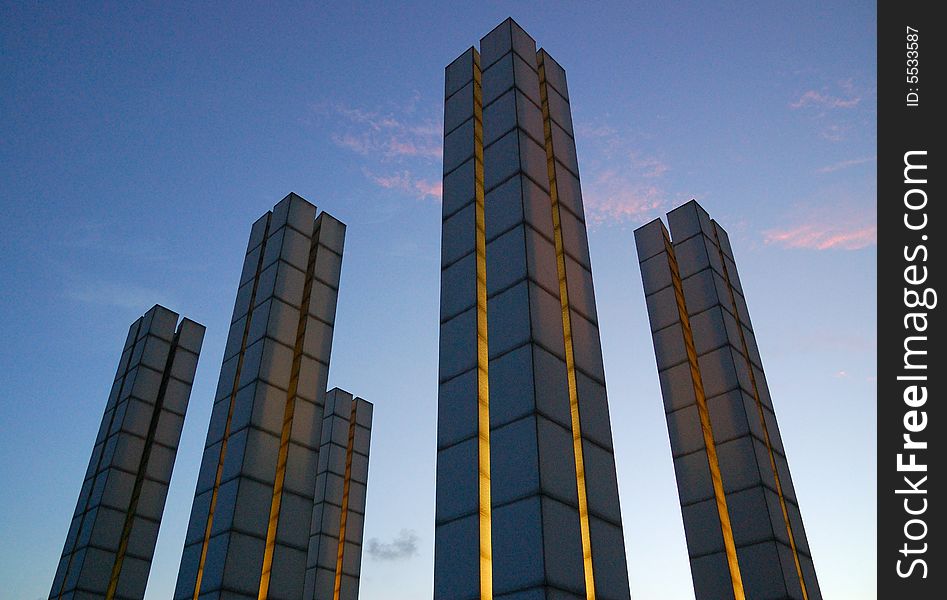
[(759, 406), (723, 513), (346, 485), (288, 412), (483, 354), (567, 339), (230, 409), (142, 470)]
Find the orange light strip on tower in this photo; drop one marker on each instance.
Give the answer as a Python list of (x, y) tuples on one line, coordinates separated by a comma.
[(346, 485), (288, 412), (736, 579), (759, 407), (230, 409), (142, 471), (567, 338), (483, 354)]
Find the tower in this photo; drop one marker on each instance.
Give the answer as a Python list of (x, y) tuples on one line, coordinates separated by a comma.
[(111, 539), (527, 496), (249, 529), (338, 516), (745, 536)]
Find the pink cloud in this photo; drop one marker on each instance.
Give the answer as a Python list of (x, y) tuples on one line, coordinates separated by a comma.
[(623, 183), (404, 145), (383, 136), (426, 188), (407, 183), (824, 235), (398, 181), (611, 198)]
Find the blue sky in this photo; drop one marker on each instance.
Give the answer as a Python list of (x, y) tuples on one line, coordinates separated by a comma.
[(137, 144)]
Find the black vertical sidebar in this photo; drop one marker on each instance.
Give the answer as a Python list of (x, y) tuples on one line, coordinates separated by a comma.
[(911, 333)]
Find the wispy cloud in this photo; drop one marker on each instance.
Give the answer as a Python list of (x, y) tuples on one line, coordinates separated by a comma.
[(429, 188), (614, 198), (824, 236), (841, 215), (648, 166), (834, 132), (404, 181), (842, 94), (400, 149), (834, 107), (845, 164), (824, 100), (622, 183), (384, 135), (402, 547)]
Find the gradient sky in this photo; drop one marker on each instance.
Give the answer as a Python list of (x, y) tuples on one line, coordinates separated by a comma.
[(138, 144)]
